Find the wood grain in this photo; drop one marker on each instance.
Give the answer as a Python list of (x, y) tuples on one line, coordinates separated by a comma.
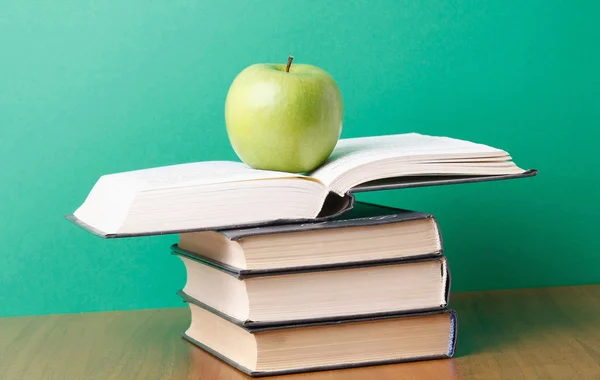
[(551, 333)]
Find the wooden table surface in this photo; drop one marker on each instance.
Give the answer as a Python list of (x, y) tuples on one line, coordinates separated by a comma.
[(551, 333)]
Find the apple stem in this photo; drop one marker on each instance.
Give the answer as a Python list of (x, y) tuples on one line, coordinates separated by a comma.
[(289, 64)]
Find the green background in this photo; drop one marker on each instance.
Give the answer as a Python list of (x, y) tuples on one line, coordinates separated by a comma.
[(95, 87)]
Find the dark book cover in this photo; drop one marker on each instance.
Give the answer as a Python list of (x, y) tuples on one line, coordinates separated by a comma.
[(245, 274), (333, 206), (362, 214), (248, 273), (452, 339), (256, 324), (241, 274)]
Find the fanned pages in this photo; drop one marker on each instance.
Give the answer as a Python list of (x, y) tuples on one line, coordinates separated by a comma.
[(359, 160), (221, 194)]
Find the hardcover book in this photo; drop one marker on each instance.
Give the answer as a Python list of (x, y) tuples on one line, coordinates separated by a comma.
[(324, 345), (367, 233), (254, 298), (223, 194)]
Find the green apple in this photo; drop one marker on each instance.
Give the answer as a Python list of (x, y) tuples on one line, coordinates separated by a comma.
[(284, 117)]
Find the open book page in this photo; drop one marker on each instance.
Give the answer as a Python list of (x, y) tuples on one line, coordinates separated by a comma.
[(193, 174), (354, 154)]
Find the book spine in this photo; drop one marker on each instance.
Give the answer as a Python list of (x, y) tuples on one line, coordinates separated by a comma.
[(447, 281), (438, 232), (453, 333)]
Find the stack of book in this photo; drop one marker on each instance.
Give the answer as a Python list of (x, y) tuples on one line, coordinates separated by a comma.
[(369, 287), (288, 273)]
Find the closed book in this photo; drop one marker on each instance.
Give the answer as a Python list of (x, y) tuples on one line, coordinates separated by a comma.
[(324, 345), (368, 233), (254, 298)]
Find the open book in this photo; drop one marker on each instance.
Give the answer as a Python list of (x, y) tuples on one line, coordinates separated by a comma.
[(224, 194)]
